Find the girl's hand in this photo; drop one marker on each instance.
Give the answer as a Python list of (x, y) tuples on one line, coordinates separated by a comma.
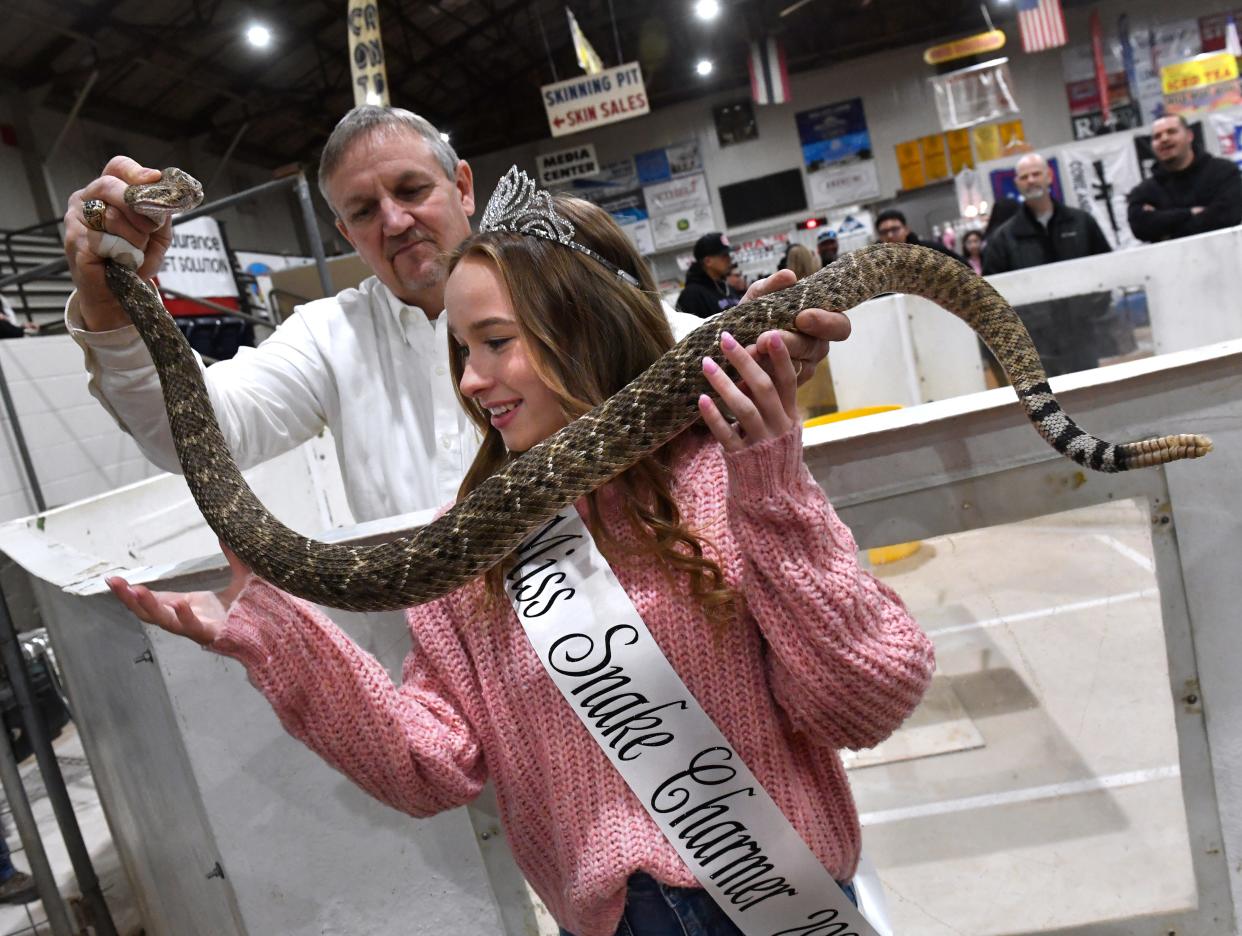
[(197, 615), (766, 409)]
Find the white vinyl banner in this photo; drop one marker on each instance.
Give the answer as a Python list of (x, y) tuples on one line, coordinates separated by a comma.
[(707, 803), (1096, 176), (680, 210), (196, 263), (845, 183)]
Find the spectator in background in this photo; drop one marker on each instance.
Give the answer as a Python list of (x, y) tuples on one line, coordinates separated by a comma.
[(706, 292), (828, 246), (1002, 211), (802, 261), (1046, 231), (972, 250), (1189, 191), (10, 327), (891, 226), (736, 282)]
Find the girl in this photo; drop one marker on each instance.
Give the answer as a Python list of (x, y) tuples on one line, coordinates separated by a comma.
[(972, 250), (721, 540)]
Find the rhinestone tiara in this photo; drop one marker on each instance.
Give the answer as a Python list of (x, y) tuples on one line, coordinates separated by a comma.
[(519, 207)]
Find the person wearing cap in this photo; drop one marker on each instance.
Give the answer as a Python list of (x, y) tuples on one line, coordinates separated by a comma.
[(706, 292), (828, 246)]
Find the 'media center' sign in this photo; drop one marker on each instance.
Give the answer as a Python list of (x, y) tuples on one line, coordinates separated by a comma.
[(594, 100)]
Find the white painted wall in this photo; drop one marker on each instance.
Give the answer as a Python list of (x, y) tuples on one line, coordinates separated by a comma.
[(896, 97)]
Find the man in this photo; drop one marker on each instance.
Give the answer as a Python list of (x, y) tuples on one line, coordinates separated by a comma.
[(706, 292), (1189, 191), (1067, 332), (736, 282), (370, 363), (891, 226), (828, 246)]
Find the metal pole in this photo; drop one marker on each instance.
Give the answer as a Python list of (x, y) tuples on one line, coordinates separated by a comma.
[(312, 234), (216, 307), (60, 137), (227, 155), (28, 831), (20, 437), (53, 780)]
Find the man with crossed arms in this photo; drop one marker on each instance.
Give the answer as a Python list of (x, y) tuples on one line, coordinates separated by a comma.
[(370, 364)]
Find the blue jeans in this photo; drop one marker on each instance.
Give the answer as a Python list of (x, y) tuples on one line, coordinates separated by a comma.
[(655, 909)]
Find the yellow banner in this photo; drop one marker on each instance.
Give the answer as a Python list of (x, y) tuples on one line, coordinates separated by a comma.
[(986, 139), (989, 41), (910, 164), (935, 163), (1198, 72), (959, 150), (1012, 136), (366, 54)]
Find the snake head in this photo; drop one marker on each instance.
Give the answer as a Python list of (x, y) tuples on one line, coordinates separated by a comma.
[(176, 191)]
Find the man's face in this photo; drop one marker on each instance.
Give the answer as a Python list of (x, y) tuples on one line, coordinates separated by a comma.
[(1170, 141), (1033, 179), (828, 250), (399, 210), (892, 231), (717, 266)]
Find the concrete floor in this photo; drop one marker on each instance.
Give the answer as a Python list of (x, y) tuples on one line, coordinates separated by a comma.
[(1070, 812), (1038, 788), (31, 920)]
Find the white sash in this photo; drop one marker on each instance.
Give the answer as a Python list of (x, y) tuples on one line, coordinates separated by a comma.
[(730, 833)]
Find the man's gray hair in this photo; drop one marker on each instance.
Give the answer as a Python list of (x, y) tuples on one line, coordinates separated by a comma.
[(368, 118)]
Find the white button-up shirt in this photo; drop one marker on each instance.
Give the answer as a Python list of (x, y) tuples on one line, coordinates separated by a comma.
[(365, 365)]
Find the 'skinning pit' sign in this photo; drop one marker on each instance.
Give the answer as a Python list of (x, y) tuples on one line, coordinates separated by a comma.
[(594, 100)]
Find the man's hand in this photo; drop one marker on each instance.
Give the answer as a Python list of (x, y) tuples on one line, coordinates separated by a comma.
[(100, 310), (816, 327)]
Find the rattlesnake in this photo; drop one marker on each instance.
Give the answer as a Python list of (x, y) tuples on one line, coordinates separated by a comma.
[(483, 529)]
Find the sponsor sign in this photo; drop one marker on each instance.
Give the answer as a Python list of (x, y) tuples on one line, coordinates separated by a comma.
[(978, 44), (844, 184), (680, 210), (590, 101), (1199, 72), (196, 263), (568, 164)]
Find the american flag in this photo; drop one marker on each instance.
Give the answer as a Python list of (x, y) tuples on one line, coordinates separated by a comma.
[(1042, 25)]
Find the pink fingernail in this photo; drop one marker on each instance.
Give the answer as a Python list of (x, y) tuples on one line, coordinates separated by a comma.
[(710, 366), (727, 341)]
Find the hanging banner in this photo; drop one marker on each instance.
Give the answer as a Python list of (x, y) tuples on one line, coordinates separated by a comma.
[(910, 165), (366, 54), (833, 133), (1228, 129), (974, 95), (844, 184), (935, 160), (590, 101), (979, 44), (960, 156), (1213, 30), (680, 211), (1205, 82), (197, 264), (564, 165), (987, 142), (615, 189), (1132, 64), (1096, 177)]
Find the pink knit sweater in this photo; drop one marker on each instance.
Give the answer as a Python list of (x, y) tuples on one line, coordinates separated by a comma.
[(824, 657)]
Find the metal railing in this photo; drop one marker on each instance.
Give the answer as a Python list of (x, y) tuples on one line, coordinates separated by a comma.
[(9, 235)]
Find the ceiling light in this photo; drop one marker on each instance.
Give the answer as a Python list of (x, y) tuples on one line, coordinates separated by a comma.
[(707, 9), (259, 36), (444, 136), (374, 97), (704, 67)]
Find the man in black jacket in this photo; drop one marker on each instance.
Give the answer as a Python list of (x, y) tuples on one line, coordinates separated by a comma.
[(1189, 192), (891, 227), (1069, 333), (706, 292)]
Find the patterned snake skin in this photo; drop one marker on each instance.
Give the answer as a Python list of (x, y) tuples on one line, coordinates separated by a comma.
[(480, 531)]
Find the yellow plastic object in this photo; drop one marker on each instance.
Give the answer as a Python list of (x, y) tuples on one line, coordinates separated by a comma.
[(880, 554)]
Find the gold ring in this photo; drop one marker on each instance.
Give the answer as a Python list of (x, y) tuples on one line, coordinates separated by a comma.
[(93, 211)]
